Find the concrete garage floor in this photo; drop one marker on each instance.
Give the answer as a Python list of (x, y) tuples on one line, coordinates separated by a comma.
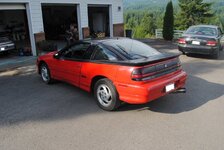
[(38, 116), (9, 62)]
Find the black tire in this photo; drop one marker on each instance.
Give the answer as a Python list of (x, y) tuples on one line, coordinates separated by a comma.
[(182, 52), (188, 54), (108, 102), (222, 47), (46, 76), (216, 55)]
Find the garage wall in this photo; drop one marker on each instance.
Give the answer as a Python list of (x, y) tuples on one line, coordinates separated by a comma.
[(36, 12)]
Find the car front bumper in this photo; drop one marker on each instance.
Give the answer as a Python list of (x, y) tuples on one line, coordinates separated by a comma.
[(152, 90), (198, 49), (7, 47)]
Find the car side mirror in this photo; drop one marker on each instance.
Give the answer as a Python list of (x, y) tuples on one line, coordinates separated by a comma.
[(56, 56)]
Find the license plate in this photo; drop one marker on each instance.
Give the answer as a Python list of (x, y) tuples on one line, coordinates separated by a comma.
[(170, 87), (2, 48), (196, 42)]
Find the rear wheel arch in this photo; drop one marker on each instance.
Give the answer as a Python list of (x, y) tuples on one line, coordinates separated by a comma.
[(94, 81), (105, 94)]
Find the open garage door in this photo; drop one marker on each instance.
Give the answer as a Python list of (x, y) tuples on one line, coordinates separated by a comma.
[(14, 31), (99, 20), (57, 20)]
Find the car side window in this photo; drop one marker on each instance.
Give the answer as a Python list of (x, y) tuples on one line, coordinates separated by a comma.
[(88, 54), (103, 53), (76, 51)]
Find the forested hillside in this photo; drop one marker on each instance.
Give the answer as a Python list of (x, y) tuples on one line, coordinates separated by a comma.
[(144, 16), (145, 4)]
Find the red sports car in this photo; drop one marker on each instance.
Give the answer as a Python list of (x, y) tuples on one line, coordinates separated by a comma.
[(115, 70)]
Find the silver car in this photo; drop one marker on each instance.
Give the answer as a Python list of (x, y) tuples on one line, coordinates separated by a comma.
[(6, 44)]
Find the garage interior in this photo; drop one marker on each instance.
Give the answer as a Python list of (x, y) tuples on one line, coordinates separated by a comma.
[(14, 26), (99, 21), (57, 19)]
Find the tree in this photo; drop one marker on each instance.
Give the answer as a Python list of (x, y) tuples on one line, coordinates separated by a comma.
[(222, 23), (168, 22), (139, 32), (148, 24), (194, 12), (131, 23)]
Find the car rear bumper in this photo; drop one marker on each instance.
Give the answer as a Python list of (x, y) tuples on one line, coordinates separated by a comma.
[(198, 49), (140, 94)]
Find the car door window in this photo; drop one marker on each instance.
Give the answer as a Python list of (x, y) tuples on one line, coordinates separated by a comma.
[(103, 53), (76, 51), (89, 52)]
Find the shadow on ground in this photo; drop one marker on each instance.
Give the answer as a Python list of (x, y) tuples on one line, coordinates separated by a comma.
[(208, 57), (24, 97)]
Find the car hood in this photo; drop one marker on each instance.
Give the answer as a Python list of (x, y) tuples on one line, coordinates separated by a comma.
[(48, 55), (51, 53)]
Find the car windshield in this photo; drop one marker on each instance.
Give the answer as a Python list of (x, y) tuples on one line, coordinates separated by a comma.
[(131, 48), (4, 39), (207, 31)]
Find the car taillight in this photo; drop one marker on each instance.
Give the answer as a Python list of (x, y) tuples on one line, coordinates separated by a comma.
[(148, 73), (137, 74), (142, 74), (211, 43), (182, 41)]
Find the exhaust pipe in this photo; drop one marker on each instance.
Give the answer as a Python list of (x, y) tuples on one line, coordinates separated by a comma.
[(181, 90)]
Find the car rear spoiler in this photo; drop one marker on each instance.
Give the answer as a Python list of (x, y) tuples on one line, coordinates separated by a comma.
[(153, 59), (142, 62)]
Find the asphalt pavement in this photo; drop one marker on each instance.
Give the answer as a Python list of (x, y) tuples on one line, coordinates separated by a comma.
[(36, 116)]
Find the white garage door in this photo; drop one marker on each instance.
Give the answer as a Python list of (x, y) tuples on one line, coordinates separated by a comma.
[(12, 7)]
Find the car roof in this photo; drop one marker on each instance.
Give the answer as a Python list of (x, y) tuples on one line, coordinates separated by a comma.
[(210, 26), (95, 41), (102, 40)]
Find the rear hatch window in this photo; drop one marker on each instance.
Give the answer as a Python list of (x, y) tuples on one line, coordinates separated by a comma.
[(206, 31), (4, 39), (131, 49)]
